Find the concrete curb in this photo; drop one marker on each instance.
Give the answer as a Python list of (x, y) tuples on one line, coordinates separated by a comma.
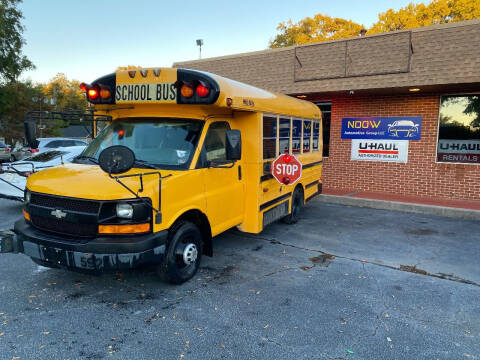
[(466, 214)]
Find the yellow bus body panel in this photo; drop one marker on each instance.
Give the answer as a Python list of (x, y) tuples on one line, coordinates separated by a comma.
[(228, 197)]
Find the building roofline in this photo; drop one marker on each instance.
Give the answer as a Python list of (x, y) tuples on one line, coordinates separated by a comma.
[(287, 48)]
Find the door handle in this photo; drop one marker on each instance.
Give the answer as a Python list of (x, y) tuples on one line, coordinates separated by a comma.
[(239, 172)]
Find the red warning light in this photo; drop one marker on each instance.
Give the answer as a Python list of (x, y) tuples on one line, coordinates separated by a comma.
[(121, 133), (92, 93), (202, 91), (287, 158)]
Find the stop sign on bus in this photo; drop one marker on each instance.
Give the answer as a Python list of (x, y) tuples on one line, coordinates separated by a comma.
[(286, 169)]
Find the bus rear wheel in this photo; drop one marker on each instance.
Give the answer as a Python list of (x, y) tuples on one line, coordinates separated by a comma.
[(184, 253), (297, 203)]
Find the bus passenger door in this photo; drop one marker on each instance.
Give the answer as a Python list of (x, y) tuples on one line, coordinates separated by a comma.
[(224, 187)]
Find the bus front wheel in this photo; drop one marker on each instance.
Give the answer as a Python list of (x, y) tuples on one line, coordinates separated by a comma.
[(184, 253), (297, 203)]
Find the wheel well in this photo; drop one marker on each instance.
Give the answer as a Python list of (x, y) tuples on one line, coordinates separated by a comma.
[(201, 220), (300, 186)]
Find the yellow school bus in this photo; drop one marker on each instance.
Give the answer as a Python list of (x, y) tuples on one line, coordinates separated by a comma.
[(186, 156)]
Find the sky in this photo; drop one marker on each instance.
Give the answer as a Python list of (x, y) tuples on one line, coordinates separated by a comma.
[(86, 39)]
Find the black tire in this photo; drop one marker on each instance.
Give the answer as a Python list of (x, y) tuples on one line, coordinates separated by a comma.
[(297, 204), (44, 263), (185, 244)]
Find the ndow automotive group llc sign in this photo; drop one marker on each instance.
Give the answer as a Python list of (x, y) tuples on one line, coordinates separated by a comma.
[(394, 128), (380, 150)]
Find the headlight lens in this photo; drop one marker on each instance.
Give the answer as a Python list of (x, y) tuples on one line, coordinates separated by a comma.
[(124, 211), (27, 196)]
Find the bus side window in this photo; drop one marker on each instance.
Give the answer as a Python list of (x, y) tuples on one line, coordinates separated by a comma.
[(269, 136), (215, 149), (296, 136), (284, 136), (316, 135), (307, 131)]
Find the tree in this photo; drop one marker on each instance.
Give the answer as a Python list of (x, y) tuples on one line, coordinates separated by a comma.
[(65, 94), (436, 12), (12, 62), (128, 67), (473, 108), (323, 27), (16, 99), (311, 30)]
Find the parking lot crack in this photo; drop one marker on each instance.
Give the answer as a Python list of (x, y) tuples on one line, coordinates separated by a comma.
[(384, 302), (407, 268)]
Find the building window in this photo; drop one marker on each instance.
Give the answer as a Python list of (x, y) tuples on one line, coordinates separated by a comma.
[(459, 129), (316, 135), (296, 136), (307, 132), (284, 136), (269, 136), (326, 108)]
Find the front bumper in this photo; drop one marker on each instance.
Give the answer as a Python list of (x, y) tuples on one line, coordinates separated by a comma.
[(107, 253)]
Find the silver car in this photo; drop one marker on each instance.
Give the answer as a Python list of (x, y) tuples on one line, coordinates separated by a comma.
[(54, 143), (5, 151)]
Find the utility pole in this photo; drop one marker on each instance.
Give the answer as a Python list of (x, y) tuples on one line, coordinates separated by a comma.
[(199, 44)]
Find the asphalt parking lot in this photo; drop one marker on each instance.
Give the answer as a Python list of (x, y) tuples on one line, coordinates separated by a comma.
[(343, 283)]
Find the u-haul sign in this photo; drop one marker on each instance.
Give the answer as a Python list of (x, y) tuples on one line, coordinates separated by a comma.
[(380, 150), (460, 151)]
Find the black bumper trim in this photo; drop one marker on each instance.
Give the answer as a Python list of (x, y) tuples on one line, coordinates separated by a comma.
[(134, 244)]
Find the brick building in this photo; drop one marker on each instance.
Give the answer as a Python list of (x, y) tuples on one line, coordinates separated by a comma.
[(429, 75)]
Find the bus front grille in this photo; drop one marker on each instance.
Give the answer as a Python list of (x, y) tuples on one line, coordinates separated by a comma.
[(64, 203), (64, 227)]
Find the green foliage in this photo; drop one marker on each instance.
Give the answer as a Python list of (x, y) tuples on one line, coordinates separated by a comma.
[(12, 62), (15, 99), (323, 27)]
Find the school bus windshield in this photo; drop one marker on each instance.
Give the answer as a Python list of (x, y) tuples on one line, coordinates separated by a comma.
[(167, 143)]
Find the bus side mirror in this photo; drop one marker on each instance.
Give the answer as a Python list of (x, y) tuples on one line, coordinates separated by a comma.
[(234, 145), (116, 159), (30, 134)]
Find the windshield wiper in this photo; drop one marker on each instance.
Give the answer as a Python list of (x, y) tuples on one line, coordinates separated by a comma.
[(90, 158), (145, 164)]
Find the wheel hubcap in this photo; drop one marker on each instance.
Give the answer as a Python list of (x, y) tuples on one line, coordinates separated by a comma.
[(190, 254)]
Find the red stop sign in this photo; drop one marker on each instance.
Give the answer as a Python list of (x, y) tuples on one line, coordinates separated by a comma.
[(286, 169)]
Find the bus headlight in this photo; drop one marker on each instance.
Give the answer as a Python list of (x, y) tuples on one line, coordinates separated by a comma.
[(124, 210)]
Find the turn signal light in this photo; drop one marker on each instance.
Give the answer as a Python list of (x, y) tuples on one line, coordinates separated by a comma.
[(186, 91), (105, 94), (26, 215), (124, 229)]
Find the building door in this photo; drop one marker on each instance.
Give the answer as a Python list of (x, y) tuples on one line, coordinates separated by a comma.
[(224, 188), (326, 108)]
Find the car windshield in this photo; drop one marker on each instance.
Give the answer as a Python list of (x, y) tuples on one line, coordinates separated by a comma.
[(45, 156), (167, 143), (405, 123)]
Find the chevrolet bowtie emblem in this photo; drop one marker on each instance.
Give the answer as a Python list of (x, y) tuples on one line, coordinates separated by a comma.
[(58, 213)]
